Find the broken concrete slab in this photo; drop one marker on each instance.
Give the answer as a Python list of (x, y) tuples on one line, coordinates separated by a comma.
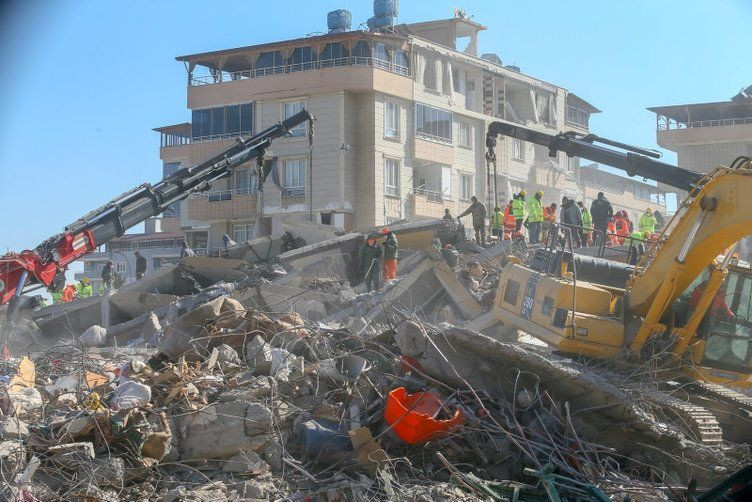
[(210, 271)]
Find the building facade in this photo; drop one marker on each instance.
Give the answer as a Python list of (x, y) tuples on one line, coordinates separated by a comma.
[(400, 130), (161, 250), (707, 135), (628, 194)]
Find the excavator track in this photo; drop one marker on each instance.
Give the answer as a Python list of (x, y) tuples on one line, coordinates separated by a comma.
[(732, 408), (695, 419)]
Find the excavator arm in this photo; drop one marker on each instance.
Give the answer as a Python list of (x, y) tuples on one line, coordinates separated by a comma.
[(46, 264)]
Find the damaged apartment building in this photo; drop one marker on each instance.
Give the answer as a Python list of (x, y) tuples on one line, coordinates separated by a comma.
[(402, 112)]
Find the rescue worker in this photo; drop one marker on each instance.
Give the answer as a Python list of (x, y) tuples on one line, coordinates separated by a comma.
[(601, 211), (636, 247), (510, 224), (571, 217), (718, 309), (390, 254), (535, 217), (497, 223), (84, 288), (447, 215), (478, 211), (621, 225), (659, 221), (140, 266), (611, 238), (518, 209), (107, 274), (69, 293), (549, 217), (369, 257), (646, 223), (186, 252), (587, 223)]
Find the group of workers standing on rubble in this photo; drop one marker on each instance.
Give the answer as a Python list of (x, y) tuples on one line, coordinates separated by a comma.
[(377, 264), (586, 227)]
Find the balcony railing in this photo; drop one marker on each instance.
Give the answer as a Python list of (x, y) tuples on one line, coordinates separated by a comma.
[(432, 196), (296, 67), (666, 124), (220, 195)]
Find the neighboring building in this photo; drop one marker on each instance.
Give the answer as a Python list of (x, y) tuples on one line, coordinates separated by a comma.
[(629, 194), (402, 115), (707, 135), (161, 249)]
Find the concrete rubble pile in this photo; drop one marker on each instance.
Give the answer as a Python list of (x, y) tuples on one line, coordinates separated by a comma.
[(285, 379)]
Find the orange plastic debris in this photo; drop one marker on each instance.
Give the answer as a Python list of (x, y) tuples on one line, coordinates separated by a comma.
[(412, 416)]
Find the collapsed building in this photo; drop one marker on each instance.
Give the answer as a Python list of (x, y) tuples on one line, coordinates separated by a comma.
[(238, 378)]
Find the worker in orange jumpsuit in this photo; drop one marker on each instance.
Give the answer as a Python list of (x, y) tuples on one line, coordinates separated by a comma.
[(390, 254), (549, 217), (69, 293), (510, 224), (612, 239), (621, 223)]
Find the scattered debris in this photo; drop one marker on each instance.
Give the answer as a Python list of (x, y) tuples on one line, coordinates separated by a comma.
[(281, 379)]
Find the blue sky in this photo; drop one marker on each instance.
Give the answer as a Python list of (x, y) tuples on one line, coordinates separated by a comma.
[(84, 82)]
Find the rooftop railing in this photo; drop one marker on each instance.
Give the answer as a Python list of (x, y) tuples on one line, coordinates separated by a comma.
[(666, 124), (296, 67)]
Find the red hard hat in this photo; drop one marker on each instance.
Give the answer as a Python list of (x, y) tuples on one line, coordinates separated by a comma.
[(384, 230)]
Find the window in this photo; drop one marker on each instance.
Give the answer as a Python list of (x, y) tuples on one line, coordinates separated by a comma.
[(269, 63), (333, 55), (391, 119), (295, 172), (243, 233), (120, 267), (245, 181), (383, 56), (432, 123), (467, 186), (577, 116), (326, 218), (391, 177), (360, 50), (464, 131), (401, 62), (222, 121), (518, 149), (302, 58), (290, 109)]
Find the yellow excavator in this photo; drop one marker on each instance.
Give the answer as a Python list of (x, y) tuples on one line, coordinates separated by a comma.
[(686, 304)]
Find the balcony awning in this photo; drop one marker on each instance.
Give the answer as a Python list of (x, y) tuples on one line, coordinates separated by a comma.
[(705, 111)]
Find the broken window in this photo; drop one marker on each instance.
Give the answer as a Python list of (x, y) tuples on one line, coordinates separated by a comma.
[(382, 53), (430, 78)]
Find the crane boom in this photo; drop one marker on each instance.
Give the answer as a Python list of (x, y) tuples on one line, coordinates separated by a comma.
[(635, 161), (46, 264)]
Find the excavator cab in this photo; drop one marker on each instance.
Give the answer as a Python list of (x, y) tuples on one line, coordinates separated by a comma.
[(723, 340)]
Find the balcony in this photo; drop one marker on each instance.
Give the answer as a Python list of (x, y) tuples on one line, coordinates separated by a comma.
[(672, 133), (437, 150), (428, 204), (220, 205), (301, 67), (667, 124)]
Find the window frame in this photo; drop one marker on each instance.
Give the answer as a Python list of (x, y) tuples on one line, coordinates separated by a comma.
[(464, 140), (430, 125), (300, 130), (249, 230), (301, 168), (467, 186), (518, 149), (391, 132), (391, 190)]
